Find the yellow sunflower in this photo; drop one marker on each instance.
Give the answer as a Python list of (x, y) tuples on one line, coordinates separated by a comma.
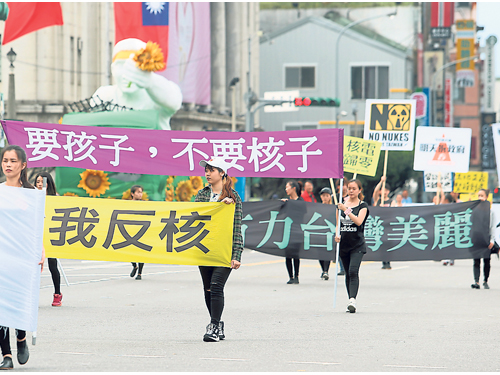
[(128, 195), (95, 183), (196, 183), (169, 195), (69, 194), (184, 191), (150, 58)]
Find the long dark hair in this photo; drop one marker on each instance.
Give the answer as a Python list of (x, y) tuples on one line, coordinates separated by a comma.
[(21, 154), (227, 184), (297, 185), (51, 186)]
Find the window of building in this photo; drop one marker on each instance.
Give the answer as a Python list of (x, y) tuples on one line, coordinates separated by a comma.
[(72, 59), (300, 77), (459, 94), (369, 82)]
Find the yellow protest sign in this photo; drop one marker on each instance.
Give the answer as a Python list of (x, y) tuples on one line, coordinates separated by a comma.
[(147, 232), (470, 182), (361, 156)]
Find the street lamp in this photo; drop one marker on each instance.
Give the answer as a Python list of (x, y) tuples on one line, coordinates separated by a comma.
[(11, 104), (232, 85), (347, 27), (433, 82)]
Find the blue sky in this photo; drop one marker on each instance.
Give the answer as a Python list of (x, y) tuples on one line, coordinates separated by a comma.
[(488, 16)]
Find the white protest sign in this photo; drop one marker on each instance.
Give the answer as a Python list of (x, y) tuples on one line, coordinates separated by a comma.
[(21, 237), (439, 149), (495, 209), (431, 180), (391, 122)]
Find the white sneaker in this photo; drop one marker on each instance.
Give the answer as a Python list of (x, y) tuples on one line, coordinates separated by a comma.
[(351, 307)]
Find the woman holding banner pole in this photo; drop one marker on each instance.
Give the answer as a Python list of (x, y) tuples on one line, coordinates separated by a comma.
[(14, 165), (353, 215), (54, 271), (214, 278), (293, 189)]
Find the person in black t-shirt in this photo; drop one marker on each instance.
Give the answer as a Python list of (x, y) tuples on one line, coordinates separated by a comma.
[(354, 213), (293, 189)]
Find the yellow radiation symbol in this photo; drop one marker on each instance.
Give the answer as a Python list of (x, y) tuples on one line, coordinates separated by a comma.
[(399, 117)]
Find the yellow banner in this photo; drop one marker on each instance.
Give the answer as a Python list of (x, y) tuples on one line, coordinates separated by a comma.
[(470, 182), (361, 156), (139, 231)]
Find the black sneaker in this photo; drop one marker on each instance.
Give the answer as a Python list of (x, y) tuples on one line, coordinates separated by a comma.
[(475, 286), (326, 277), (291, 281), (7, 364), (485, 285), (212, 333), (134, 271), (222, 336), (322, 275), (23, 353), (341, 273), (139, 277), (296, 280)]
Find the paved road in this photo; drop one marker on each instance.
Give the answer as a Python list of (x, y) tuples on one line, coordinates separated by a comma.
[(419, 316)]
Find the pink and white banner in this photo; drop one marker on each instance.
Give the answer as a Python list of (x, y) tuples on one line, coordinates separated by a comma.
[(189, 51), (288, 154)]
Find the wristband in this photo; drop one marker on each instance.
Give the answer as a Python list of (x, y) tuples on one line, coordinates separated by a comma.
[(348, 211)]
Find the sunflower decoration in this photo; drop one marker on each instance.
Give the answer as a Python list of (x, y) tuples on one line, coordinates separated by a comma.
[(184, 191), (235, 180), (150, 58), (69, 194), (127, 195), (95, 183), (170, 180), (196, 183), (169, 194)]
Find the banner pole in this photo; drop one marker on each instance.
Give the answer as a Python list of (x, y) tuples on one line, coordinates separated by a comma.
[(338, 246), (354, 176), (439, 190), (333, 191), (385, 175), (62, 271)]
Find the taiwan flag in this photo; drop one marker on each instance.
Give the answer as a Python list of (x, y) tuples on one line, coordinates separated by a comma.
[(145, 21), (25, 18)]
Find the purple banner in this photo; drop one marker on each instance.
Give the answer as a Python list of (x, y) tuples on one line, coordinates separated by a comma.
[(288, 154)]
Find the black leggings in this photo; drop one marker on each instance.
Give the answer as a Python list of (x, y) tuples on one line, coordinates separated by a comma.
[(214, 279), (486, 269), (325, 265), (56, 277), (141, 265), (5, 339), (351, 262), (296, 265)]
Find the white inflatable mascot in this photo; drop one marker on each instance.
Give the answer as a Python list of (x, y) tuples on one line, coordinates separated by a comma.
[(139, 89)]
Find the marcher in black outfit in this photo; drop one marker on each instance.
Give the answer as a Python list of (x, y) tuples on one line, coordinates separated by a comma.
[(483, 196), (293, 189), (354, 213), (14, 164), (136, 193), (54, 271)]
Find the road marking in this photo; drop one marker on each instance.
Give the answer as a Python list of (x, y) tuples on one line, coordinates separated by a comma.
[(117, 277), (317, 363), (226, 359), (261, 263), (410, 366), (77, 353), (137, 356)]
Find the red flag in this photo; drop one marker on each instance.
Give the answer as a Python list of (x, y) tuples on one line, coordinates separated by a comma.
[(144, 21), (25, 18)]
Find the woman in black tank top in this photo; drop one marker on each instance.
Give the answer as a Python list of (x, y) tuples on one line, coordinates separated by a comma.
[(353, 215)]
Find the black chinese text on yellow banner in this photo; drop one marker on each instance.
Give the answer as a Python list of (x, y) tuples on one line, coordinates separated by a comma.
[(138, 231)]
